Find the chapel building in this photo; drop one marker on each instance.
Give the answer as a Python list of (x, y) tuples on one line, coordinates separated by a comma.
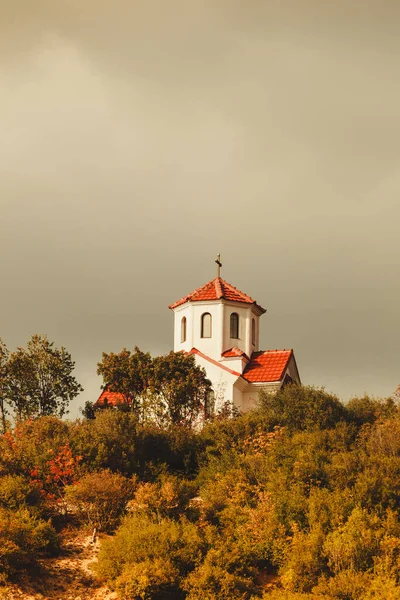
[(220, 325)]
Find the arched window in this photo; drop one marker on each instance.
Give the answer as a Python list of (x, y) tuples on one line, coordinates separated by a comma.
[(206, 325), (253, 332), (234, 326), (183, 330)]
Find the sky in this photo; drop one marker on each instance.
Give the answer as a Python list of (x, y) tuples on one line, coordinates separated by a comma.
[(139, 138)]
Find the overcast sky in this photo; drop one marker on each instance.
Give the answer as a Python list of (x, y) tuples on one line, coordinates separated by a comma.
[(138, 138)]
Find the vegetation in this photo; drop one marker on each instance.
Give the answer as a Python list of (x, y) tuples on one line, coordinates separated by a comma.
[(36, 381), (296, 500), (168, 389)]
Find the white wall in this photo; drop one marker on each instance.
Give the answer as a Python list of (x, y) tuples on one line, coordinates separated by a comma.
[(222, 382), (246, 314), (220, 341), (193, 312), (250, 396)]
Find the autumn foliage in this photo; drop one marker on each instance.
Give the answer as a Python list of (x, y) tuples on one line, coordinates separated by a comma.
[(297, 500)]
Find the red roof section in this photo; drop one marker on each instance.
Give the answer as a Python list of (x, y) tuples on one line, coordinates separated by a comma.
[(267, 366), (234, 353), (217, 289), (110, 398), (214, 362)]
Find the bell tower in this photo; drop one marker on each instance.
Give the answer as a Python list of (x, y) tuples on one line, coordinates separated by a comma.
[(216, 318)]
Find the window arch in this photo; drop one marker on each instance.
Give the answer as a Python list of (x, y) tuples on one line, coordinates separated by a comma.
[(206, 325), (234, 326), (253, 332), (183, 330)]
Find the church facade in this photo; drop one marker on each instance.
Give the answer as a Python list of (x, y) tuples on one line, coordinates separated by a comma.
[(220, 325)]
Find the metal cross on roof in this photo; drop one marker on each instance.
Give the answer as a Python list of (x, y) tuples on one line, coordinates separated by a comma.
[(219, 263)]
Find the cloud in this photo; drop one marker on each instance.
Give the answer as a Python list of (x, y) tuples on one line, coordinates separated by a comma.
[(138, 139)]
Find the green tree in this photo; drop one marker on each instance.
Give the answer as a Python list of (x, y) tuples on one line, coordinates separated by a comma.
[(88, 411), (368, 410), (168, 389), (128, 373), (39, 380), (181, 387), (302, 408)]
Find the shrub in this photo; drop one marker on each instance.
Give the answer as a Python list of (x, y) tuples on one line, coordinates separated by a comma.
[(22, 538), (368, 410), (353, 546), (106, 442), (101, 498), (140, 539), (168, 497), (304, 561), (302, 408), (346, 585), (148, 580), (213, 581), (31, 444), (16, 491)]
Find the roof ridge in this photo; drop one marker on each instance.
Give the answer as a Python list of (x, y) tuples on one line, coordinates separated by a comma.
[(233, 287), (275, 350), (234, 352), (217, 289)]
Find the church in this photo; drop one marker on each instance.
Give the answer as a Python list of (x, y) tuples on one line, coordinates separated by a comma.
[(220, 325)]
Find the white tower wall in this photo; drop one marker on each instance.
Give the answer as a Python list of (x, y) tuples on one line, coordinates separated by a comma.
[(220, 340)]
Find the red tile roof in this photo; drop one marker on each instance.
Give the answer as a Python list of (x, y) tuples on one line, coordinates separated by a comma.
[(217, 289), (267, 366), (110, 398), (214, 362), (234, 353)]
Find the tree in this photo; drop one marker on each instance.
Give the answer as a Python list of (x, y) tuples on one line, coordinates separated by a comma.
[(168, 389), (368, 410), (128, 373), (302, 408), (100, 498), (88, 411), (39, 380), (181, 387)]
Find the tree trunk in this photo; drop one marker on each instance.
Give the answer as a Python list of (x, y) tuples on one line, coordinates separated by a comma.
[(3, 415)]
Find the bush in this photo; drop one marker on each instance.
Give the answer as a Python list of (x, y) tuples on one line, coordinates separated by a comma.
[(213, 581), (302, 408), (168, 497), (140, 539), (106, 442), (353, 546), (115, 440), (304, 561), (368, 410), (31, 444), (100, 498), (148, 580), (22, 538), (16, 491)]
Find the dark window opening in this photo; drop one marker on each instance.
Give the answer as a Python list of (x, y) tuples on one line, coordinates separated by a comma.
[(183, 330), (206, 325), (234, 326)]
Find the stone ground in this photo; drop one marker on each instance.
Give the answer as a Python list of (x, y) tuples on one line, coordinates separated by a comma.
[(65, 577)]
